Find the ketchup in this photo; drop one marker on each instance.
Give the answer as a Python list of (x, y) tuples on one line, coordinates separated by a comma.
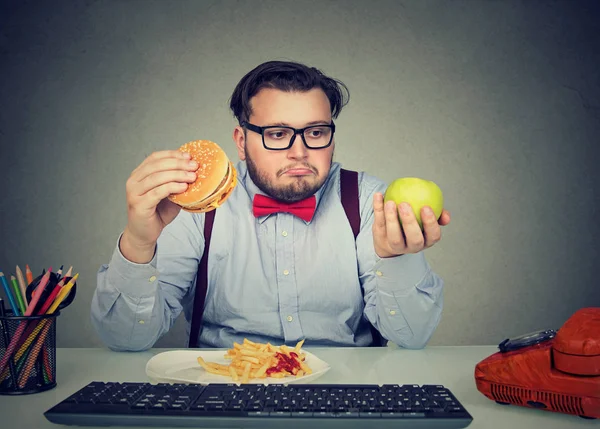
[(284, 363)]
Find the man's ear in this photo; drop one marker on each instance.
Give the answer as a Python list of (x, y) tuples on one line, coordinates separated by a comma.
[(240, 142)]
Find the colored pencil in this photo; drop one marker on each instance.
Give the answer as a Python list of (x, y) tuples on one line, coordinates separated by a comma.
[(35, 351), (28, 275), (17, 292), (23, 344), (34, 300), (63, 294), (13, 344), (52, 296), (48, 374), (11, 299), (22, 285)]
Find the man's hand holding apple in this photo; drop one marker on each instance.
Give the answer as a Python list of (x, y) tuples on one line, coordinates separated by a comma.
[(397, 228)]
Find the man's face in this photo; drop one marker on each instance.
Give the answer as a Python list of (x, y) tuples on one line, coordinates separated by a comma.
[(298, 172)]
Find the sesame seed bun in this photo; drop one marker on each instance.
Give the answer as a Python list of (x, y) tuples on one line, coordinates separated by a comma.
[(215, 178)]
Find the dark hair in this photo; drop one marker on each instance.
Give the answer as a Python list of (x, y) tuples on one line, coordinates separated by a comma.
[(286, 76)]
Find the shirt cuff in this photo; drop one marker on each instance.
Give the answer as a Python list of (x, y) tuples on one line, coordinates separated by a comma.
[(401, 273), (132, 279)]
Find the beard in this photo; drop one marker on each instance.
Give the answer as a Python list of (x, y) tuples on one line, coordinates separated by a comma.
[(300, 189)]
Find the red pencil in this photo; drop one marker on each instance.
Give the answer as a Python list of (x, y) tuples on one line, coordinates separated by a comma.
[(51, 297)]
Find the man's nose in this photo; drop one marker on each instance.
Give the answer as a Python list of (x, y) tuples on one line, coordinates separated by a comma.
[(298, 149)]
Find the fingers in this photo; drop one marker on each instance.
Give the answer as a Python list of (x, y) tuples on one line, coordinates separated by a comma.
[(161, 168), (444, 218), (412, 230), (379, 233), (168, 209), (163, 164), (160, 178), (153, 197), (395, 236), (163, 154), (396, 230), (431, 229)]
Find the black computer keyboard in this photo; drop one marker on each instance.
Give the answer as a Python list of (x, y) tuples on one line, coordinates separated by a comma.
[(250, 405)]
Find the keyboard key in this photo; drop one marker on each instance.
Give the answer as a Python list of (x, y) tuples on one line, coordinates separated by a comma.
[(301, 414), (326, 414), (413, 415), (176, 407), (369, 414), (391, 415), (280, 414)]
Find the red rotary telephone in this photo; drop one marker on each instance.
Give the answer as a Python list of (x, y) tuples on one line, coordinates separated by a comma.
[(551, 370)]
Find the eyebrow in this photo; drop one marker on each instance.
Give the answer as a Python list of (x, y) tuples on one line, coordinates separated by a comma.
[(308, 124)]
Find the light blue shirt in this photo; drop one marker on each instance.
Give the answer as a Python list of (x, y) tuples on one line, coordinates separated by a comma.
[(274, 279)]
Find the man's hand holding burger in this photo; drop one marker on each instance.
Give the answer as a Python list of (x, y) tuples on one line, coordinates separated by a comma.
[(148, 209), (198, 177)]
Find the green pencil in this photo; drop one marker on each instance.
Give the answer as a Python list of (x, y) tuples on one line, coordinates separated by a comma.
[(20, 301)]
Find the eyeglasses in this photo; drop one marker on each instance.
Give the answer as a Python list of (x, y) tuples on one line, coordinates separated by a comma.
[(281, 138)]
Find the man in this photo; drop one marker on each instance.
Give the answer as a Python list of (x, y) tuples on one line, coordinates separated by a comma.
[(274, 277)]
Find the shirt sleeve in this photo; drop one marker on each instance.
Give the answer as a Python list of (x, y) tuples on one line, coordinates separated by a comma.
[(135, 304), (403, 296)]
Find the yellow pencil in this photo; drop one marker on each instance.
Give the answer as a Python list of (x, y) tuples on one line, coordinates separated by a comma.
[(62, 294)]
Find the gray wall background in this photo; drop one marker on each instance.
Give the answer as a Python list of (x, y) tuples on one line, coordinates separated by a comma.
[(496, 101)]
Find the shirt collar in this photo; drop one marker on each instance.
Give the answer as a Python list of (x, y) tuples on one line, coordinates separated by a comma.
[(251, 188)]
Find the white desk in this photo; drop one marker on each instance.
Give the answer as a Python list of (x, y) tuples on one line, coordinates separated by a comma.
[(450, 366)]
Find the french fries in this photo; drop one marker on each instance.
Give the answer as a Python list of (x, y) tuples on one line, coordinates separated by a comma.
[(251, 360)]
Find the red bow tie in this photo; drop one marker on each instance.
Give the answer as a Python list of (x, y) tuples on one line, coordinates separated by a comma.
[(305, 209)]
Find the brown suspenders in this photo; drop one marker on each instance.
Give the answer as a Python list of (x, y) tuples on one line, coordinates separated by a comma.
[(349, 192)]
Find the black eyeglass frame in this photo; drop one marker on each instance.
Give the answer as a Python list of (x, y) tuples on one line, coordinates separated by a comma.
[(261, 131)]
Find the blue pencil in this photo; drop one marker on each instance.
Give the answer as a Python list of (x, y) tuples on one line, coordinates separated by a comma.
[(9, 295)]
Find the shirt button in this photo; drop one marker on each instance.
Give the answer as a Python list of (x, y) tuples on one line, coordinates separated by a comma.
[(284, 233), (392, 312), (285, 272), (379, 273), (289, 318), (151, 279)]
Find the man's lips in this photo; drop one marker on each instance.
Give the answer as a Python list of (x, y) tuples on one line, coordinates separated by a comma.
[(298, 172)]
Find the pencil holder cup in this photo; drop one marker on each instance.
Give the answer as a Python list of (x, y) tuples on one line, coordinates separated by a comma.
[(27, 353)]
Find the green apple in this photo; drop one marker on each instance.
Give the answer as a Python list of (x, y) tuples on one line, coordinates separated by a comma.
[(418, 193)]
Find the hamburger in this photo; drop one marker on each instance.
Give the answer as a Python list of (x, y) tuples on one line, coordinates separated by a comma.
[(215, 178)]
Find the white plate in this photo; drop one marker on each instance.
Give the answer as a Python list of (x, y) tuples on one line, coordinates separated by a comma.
[(181, 366)]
